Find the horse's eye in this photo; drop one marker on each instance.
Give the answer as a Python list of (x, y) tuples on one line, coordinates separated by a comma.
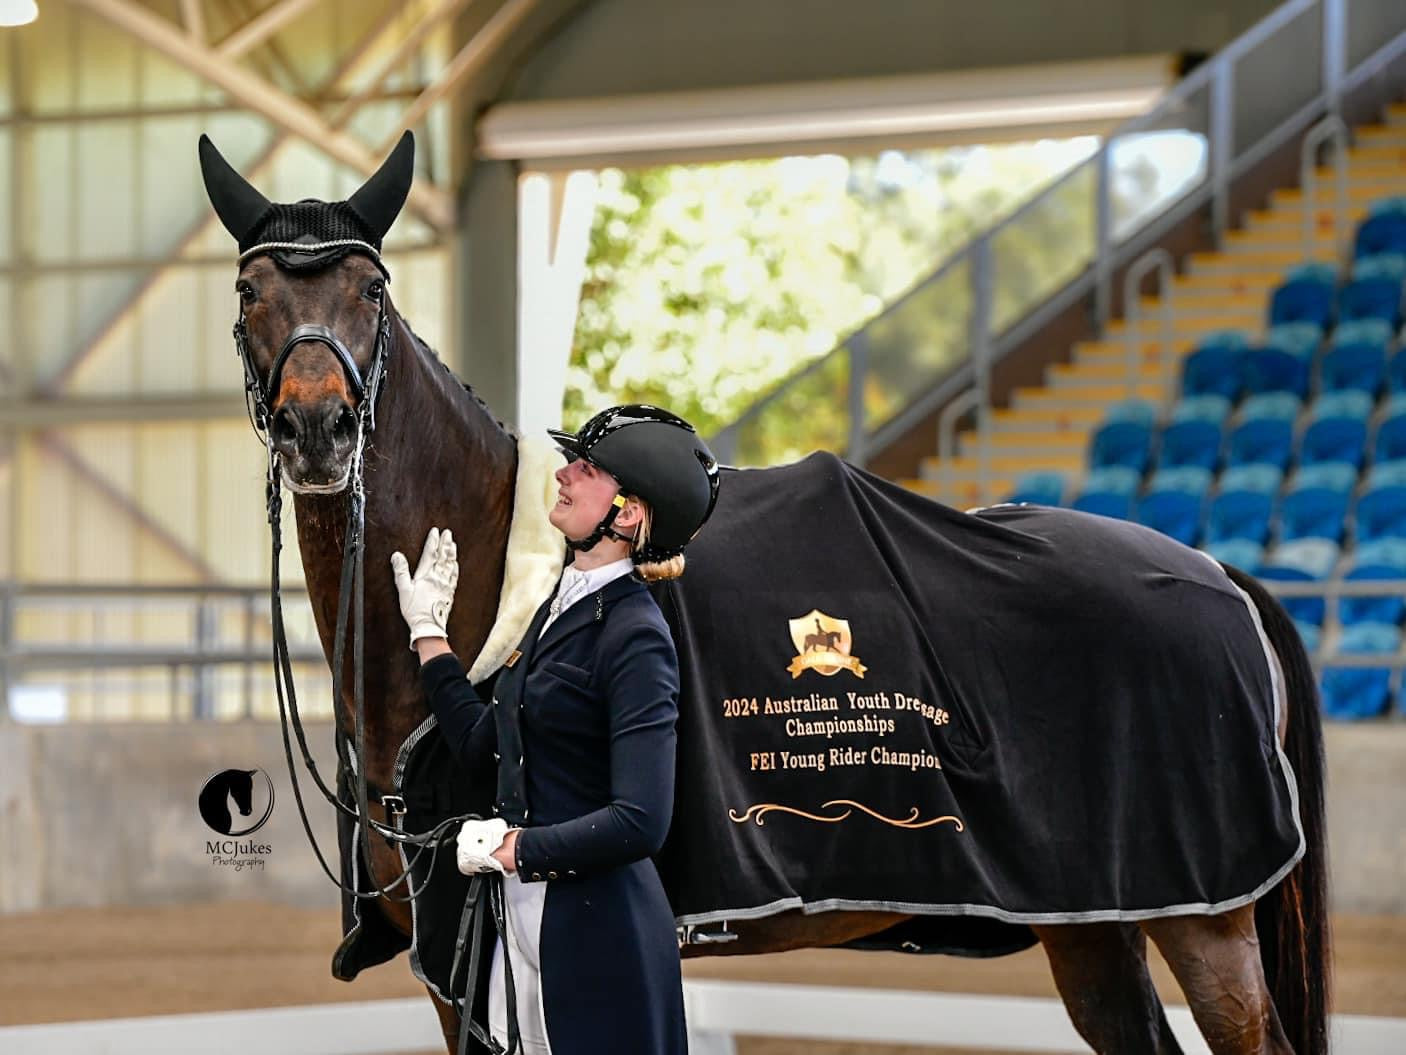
[(246, 293), (375, 290)]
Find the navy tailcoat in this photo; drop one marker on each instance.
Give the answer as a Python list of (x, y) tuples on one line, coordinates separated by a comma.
[(597, 702)]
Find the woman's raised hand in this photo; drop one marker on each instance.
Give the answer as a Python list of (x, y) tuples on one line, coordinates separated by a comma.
[(425, 599)]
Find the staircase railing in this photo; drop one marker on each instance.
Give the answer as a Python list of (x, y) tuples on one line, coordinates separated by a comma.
[(1245, 102), (1332, 129)]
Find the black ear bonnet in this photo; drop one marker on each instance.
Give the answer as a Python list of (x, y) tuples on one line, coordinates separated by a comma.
[(309, 234)]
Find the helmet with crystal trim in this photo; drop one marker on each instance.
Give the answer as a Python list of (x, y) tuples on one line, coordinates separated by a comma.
[(657, 456)]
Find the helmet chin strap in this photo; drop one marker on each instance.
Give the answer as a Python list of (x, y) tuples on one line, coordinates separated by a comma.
[(603, 529)]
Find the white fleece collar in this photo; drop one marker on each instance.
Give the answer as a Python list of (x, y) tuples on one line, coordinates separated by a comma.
[(536, 553)]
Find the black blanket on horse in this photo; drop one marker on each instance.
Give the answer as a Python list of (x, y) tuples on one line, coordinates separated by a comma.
[(1023, 715)]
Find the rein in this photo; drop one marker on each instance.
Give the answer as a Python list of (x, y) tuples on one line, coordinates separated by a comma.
[(352, 595)]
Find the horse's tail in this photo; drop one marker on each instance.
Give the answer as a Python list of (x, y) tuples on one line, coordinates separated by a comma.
[(1292, 920)]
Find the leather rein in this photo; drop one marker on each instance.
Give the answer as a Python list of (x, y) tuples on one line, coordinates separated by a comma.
[(485, 895)]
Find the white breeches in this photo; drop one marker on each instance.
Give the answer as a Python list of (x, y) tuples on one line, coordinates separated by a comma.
[(523, 904)]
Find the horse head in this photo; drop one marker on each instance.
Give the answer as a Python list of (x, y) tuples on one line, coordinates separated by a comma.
[(314, 312), (241, 789)]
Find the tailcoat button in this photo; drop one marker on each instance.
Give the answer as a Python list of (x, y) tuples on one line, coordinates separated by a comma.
[(551, 875), (536, 875), (571, 871)]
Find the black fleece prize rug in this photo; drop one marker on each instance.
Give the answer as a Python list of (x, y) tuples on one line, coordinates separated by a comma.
[(1020, 716)]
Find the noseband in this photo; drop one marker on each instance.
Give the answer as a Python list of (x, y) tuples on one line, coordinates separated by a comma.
[(259, 396)]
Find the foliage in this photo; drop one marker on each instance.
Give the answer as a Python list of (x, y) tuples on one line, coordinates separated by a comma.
[(707, 285)]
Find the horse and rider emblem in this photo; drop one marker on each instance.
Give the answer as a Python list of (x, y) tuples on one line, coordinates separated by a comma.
[(823, 645)]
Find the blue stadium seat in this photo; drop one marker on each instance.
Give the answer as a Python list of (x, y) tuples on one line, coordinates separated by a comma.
[(1361, 692), (1371, 298), (1337, 430), (1382, 560), (1381, 511), (1357, 356), (1316, 502), (1175, 502), (1396, 372), (1109, 491), (1243, 506), (1125, 437), (1383, 233), (1304, 297), (1237, 552), (1387, 206), (1389, 441), (1195, 433), (1304, 560), (1310, 635), (1040, 488), (1214, 368), (1266, 430), (1283, 360), (1380, 265)]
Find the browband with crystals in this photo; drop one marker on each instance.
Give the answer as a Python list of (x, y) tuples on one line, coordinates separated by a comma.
[(311, 248)]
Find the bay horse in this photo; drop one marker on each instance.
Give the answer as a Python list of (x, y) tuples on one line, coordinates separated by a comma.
[(1255, 977)]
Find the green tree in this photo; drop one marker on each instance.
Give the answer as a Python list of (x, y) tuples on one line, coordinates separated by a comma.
[(708, 285)]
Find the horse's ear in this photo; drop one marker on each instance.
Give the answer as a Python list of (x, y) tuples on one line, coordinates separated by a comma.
[(381, 197), (238, 205)]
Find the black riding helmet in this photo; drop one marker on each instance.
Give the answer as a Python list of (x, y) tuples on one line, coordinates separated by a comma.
[(656, 456)]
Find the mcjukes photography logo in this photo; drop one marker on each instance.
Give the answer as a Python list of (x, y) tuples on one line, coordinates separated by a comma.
[(236, 803)]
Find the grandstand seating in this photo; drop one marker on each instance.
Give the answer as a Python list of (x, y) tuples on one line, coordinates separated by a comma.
[(1038, 488), (1361, 692), (1195, 434), (1282, 450), (1265, 434), (1337, 429), (1357, 357), (1175, 502)]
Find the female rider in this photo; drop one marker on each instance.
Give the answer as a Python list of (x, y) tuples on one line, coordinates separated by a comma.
[(581, 730)]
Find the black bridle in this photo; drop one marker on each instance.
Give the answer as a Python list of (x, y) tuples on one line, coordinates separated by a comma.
[(352, 593)]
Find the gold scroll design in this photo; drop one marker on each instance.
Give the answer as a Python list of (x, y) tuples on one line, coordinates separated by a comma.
[(823, 645), (759, 811)]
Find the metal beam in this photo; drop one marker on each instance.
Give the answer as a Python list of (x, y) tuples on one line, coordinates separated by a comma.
[(261, 27), (412, 40), (201, 228), (27, 414), (473, 54), (292, 115), (193, 18)]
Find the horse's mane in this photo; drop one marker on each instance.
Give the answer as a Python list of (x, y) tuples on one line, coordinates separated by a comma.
[(424, 346)]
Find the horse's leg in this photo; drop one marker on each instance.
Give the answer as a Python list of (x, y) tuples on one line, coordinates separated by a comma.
[(1100, 970), (1216, 960), (448, 1021)]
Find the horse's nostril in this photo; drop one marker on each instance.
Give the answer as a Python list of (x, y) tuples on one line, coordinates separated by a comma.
[(284, 429), (344, 428)]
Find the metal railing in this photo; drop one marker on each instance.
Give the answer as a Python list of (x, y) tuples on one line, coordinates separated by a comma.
[(1332, 129), (920, 352), (204, 652), (1160, 261), (154, 652)]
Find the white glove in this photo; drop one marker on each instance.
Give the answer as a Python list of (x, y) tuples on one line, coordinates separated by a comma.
[(477, 841), (426, 599)]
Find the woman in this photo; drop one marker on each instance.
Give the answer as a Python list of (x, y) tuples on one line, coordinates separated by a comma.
[(581, 728)]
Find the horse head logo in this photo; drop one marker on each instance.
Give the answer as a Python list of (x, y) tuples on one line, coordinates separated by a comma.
[(239, 786)]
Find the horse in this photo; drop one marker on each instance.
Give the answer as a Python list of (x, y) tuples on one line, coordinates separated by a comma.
[(1254, 976)]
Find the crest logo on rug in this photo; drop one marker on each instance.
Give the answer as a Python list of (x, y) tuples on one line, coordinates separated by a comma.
[(823, 645), (236, 803)]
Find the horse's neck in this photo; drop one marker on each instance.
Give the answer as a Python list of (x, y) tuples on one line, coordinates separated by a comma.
[(436, 459)]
